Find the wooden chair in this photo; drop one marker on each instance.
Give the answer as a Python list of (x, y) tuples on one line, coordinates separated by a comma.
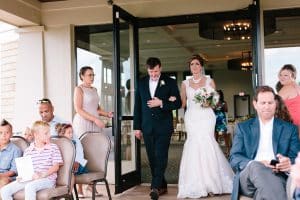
[(96, 147), (63, 183)]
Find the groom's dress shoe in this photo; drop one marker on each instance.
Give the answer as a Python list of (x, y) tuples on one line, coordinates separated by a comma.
[(162, 191), (154, 194)]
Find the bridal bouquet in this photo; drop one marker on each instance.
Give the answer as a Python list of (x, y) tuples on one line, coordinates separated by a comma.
[(206, 97)]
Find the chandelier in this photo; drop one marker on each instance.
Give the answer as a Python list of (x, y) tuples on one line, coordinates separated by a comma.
[(240, 30), (232, 25), (244, 63)]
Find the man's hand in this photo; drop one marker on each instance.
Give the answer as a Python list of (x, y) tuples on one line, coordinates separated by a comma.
[(284, 164), (172, 98), (155, 102), (267, 164), (138, 134)]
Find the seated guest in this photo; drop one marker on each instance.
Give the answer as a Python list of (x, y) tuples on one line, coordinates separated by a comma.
[(28, 135), (46, 160), (263, 150), (8, 153), (66, 130), (46, 111)]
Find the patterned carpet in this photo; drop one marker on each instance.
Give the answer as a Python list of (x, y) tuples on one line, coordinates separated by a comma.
[(175, 152)]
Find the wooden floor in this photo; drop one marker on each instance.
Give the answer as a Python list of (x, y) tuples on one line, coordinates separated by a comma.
[(142, 193)]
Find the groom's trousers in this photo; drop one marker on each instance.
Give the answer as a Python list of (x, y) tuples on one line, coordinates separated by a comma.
[(157, 147), (260, 182)]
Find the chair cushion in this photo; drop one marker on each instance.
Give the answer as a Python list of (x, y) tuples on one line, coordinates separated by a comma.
[(45, 194), (88, 177)]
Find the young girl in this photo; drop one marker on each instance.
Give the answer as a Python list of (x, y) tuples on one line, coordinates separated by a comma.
[(66, 130), (46, 159)]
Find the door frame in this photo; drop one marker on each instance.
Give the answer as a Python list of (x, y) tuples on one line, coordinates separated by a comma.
[(134, 178), (128, 180)]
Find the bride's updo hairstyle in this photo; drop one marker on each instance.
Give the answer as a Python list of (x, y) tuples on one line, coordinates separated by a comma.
[(196, 57)]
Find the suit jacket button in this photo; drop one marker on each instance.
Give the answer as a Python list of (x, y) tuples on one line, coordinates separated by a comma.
[(152, 114)]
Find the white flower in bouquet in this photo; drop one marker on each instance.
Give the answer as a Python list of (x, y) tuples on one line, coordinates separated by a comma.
[(206, 97)]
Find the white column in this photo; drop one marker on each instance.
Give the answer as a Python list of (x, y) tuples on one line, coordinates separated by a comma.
[(60, 69), (29, 76)]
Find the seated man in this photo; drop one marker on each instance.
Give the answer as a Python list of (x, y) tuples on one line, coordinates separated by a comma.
[(46, 111), (256, 142), (8, 153)]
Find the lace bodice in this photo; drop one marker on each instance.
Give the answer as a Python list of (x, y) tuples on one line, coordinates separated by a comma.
[(190, 92)]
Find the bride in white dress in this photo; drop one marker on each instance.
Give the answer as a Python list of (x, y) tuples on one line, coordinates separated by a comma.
[(203, 169)]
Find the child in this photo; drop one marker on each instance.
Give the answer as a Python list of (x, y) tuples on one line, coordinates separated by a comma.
[(66, 130), (28, 135), (46, 159), (8, 153)]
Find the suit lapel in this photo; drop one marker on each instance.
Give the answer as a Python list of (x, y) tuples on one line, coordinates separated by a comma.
[(255, 130), (158, 86), (277, 130), (147, 88)]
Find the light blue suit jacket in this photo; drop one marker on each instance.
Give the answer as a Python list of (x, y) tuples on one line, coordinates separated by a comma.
[(285, 141)]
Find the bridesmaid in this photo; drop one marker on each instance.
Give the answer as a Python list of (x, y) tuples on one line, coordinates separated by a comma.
[(88, 110), (86, 103), (290, 92)]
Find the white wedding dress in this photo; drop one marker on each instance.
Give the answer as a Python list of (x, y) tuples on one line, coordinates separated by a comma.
[(203, 168)]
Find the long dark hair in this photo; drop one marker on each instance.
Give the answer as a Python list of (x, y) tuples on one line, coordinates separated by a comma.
[(281, 110)]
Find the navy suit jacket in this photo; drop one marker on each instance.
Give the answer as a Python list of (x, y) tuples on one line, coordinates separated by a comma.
[(146, 118), (285, 141)]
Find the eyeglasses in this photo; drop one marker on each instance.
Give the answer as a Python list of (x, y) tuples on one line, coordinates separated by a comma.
[(43, 101), (91, 75)]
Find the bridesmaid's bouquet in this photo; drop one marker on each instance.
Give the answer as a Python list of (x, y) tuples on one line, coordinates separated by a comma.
[(206, 97)]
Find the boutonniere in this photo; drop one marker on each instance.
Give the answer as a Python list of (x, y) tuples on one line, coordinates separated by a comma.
[(162, 83)]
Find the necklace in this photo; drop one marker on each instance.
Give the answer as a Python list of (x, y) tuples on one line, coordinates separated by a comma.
[(196, 81)]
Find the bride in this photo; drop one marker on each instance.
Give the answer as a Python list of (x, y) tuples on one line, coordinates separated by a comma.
[(203, 169)]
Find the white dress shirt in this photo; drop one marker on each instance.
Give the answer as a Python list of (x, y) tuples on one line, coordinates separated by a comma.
[(265, 146), (152, 86)]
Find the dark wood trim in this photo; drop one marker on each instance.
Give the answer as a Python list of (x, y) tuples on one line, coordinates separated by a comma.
[(256, 44)]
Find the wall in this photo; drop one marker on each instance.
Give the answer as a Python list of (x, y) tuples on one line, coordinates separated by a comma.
[(8, 57), (60, 69), (233, 82)]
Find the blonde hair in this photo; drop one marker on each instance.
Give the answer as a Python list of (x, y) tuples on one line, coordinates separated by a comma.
[(39, 124)]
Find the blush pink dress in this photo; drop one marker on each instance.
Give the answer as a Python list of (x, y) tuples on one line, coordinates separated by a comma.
[(90, 104)]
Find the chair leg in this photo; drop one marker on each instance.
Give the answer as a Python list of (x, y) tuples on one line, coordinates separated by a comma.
[(94, 191), (76, 193), (107, 188)]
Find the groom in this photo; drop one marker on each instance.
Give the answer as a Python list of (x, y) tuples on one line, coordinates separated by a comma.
[(156, 96)]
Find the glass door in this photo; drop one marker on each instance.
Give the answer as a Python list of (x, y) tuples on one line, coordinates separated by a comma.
[(125, 67)]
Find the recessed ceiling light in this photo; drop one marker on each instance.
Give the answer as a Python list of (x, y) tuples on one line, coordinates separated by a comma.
[(218, 45), (148, 41)]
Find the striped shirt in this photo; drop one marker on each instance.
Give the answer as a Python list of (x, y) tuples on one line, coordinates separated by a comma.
[(43, 159)]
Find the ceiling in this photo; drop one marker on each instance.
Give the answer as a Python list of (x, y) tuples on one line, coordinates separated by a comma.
[(174, 44)]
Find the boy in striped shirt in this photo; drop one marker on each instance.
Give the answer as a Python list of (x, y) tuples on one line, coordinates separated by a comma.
[(46, 160)]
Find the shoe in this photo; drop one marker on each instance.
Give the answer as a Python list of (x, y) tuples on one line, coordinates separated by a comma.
[(90, 189), (154, 194), (162, 191)]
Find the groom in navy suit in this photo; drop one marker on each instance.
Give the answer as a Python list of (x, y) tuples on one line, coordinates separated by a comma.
[(156, 96), (258, 141)]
